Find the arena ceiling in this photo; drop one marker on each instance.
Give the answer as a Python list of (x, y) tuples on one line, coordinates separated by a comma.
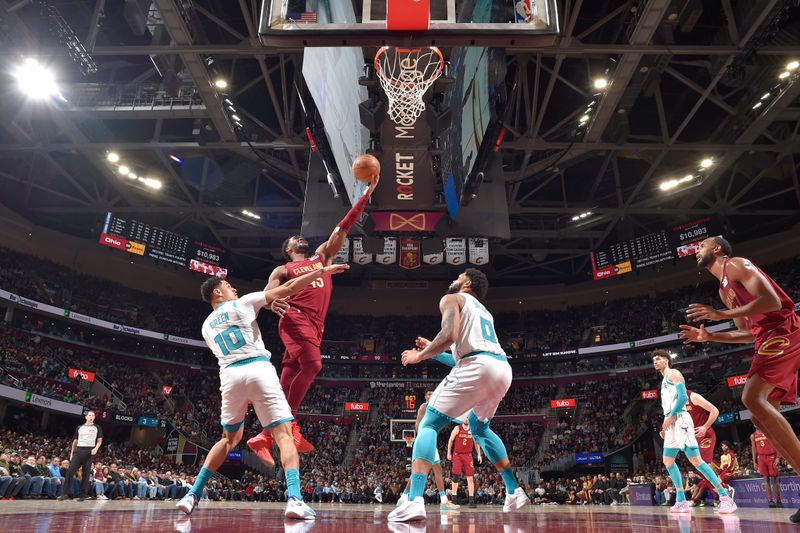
[(685, 81)]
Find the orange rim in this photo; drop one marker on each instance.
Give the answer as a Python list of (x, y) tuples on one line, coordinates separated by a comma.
[(382, 50)]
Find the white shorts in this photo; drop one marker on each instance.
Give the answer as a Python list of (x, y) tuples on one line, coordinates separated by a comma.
[(255, 383), (681, 435), (478, 384)]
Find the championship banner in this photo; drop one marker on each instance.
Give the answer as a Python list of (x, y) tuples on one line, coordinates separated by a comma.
[(406, 221), (410, 256), (737, 381), (359, 257), (343, 254), (389, 255), (651, 394), (479, 251), (166, 389), (433, 259), (83, 374), (455, 250), (564, 402)]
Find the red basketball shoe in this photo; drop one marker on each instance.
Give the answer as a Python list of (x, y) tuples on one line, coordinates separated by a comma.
[(303, 446), (261, 445)]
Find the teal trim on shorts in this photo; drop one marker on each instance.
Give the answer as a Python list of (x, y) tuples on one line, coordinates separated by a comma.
[(692, 451), (671, 452), (231, 428), (439, 413), (490, 354), (249, 360), (281, 421)]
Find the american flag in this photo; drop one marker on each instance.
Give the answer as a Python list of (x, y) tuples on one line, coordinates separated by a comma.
[(305, 16)]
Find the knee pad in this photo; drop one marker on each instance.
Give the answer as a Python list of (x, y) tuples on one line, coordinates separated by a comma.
[(493, 447), (425, 443)]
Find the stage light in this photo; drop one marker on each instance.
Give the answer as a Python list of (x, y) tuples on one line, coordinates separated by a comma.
[(176, 159), (35, 80), (220, 83), (793, 65), (236, 118), (113, 157), (600, 83), (707, 162), (783, 75), (250, 214), (228, 101), (584, 119), (575, 218), (758, 104), (667, 185), (123, 170), (133, 176), (766, 95)]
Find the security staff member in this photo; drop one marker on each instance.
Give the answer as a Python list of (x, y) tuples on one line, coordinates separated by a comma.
[(87, 440)]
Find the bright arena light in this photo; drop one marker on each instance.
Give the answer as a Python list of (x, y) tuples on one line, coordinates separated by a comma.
[(707, 162), (123, 170), (667, 185), (113, 157), (35, 80), (220, 83), (793, 65), (783, 75), (583, 119), (600, 83)]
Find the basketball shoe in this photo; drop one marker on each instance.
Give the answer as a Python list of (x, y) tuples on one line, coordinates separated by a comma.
[(726, 505), (516, 500), (409, 511), (680, 507), (187, 503), (297, 508), (449, 506), (261, 445), (300, 442)]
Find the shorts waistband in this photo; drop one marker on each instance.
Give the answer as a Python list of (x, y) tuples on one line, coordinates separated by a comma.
[(248, 361), (490, 354)]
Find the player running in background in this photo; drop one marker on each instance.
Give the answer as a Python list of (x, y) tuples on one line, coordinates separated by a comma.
[(461, 456), (247, 376), (678, 434), (302, 321), (766, 460), (764, 314), (438, 475), (471, 391)]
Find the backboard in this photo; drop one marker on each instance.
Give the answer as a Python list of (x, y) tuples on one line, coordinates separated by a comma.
[(313, 23)]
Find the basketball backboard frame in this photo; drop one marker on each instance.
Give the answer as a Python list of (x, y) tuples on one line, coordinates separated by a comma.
[(281, 27)]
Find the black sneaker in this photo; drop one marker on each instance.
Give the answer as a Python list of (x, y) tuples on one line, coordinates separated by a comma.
[(780, 504), (795, 518), (80, 498), (63, 497), (772, 504)]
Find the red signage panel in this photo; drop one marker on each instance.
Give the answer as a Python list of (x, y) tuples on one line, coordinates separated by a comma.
[(651, 394), (356, 406), (564, 402), (737, 381), (83, 374)]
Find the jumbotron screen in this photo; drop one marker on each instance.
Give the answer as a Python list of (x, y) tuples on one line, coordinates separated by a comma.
[(666, 245), (140, 238)]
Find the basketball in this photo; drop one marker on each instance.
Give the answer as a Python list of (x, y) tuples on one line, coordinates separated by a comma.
[(366, 167)]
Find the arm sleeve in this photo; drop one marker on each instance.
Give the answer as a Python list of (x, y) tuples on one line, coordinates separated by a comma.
[(446, 359), (680, 401), (99, 432), (253, 302)]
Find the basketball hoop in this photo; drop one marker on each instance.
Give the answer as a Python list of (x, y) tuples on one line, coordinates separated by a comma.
[(405, 75), (409, 440)]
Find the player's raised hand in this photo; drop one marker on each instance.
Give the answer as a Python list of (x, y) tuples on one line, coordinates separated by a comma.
[(690, 334), (373, 185), (336, 269), (279, 306), (698, 312), (422, 343), (410, 357)]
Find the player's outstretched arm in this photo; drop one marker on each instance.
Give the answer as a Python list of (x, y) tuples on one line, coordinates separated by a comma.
[(450, 442), (328, 249), (741, 335), (451, 324), (299, 283), (277, 277)]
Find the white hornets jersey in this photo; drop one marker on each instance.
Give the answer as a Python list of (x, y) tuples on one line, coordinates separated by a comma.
[(669, 395), (231, 331), (477, 330)]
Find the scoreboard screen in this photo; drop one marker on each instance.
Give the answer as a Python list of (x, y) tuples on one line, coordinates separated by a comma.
[(665, 245), (140, 238)]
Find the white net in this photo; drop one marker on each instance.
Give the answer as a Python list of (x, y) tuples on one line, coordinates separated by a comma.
[(406, 74)]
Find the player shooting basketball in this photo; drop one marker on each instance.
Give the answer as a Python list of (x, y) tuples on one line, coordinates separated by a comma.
[(302, 321)]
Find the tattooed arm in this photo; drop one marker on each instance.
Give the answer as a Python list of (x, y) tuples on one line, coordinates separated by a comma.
[(450, 307)]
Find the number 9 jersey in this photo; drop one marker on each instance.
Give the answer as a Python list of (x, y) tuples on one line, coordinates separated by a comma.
[(477, 332), (231, 331)]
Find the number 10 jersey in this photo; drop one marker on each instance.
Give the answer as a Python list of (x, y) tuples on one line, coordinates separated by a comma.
[(231, 331)]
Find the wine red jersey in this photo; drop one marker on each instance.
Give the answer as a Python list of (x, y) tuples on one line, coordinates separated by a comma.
[(698, 414), (766, 326), (464, 442), (763, 446), (314, 300)]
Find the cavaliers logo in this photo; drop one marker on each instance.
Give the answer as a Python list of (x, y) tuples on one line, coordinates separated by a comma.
[(774, 347), (415, 222), (705, 443)]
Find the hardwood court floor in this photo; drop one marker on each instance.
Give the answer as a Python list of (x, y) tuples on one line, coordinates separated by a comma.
[(41, 516)]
